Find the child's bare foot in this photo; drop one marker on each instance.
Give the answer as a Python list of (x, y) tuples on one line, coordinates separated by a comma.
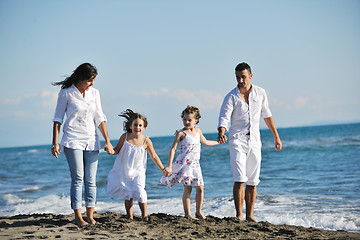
[(250, 219), (200, 216), (191, 217)]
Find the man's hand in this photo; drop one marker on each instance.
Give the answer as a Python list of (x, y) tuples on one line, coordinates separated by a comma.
[(278, 144), (221, 135)]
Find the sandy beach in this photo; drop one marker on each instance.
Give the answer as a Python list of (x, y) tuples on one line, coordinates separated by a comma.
[(160, 226)]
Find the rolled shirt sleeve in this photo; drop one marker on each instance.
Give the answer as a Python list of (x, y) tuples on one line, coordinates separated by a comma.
[(60, 107), (99, 115), (265, 110), (226, 110)]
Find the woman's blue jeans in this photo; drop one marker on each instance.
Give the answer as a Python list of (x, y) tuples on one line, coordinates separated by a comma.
[(83, 167)]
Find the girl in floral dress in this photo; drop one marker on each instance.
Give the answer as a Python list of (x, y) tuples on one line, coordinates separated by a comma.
[(186, 168)]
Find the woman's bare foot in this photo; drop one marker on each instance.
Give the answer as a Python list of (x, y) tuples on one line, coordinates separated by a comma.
[(91, 221), (79, 219), (90, 215), (81, 222)]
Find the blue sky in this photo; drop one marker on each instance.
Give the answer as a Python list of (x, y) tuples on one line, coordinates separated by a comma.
[(157, 57)]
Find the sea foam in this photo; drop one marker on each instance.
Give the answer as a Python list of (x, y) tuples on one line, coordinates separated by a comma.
[(279, 210)]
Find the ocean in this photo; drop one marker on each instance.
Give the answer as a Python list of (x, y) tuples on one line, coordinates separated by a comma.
[(313, 182)]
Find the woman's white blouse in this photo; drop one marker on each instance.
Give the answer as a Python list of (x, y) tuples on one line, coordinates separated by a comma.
[(83, 116)]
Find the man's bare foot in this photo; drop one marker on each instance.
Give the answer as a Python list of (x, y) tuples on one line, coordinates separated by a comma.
[(250, 219), (239, 217), (200, 216), (81, 222), (191, 217), (146, 218)]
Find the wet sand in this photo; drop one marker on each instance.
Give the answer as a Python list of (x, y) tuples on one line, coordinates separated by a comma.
[(160, 226)]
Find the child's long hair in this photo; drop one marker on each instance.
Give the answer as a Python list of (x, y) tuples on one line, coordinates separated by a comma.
[(130, 116), (85, 71), (192, 110)]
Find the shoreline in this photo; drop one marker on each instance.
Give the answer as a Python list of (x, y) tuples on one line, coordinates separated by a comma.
[(111, 225)]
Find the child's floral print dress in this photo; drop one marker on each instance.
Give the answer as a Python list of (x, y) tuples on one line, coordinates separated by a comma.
[(186, 167)]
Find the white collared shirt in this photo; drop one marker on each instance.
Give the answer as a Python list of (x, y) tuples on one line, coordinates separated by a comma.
[(83, 116), (244, 118)]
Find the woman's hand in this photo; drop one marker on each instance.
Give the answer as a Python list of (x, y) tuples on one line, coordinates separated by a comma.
[(56, 150), (109, 148)]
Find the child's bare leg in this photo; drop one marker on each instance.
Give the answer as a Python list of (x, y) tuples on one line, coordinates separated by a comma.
[(90, 215), (78, 218), (143, 208), (186, 201), (129, 208), (239, 195), (199, 198)]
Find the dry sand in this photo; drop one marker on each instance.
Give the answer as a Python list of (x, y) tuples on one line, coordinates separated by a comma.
[(160, 226)]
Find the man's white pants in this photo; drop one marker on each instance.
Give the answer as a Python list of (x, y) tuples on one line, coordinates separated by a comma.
[(245, 161)]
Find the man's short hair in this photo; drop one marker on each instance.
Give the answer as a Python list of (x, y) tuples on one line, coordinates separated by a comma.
[(243, 66)]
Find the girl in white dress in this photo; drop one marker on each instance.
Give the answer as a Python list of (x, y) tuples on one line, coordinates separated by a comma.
[(186, 168), (127, 177)]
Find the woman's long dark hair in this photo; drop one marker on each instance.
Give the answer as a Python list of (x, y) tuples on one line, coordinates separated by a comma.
[(83, 72)]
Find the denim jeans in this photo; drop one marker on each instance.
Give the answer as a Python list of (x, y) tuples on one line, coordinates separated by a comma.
[(83, 167)]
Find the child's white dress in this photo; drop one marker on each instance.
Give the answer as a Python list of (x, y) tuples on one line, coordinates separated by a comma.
[(127, 177), (186, 167)]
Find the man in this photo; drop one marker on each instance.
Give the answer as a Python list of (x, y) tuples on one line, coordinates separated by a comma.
[(243, 107)]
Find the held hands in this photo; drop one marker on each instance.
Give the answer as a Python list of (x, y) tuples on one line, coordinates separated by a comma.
[(167, 171), (109, 148), (56, 150), (222, 138)]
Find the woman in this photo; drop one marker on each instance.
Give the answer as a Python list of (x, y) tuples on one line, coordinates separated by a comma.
[(80, 142)]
